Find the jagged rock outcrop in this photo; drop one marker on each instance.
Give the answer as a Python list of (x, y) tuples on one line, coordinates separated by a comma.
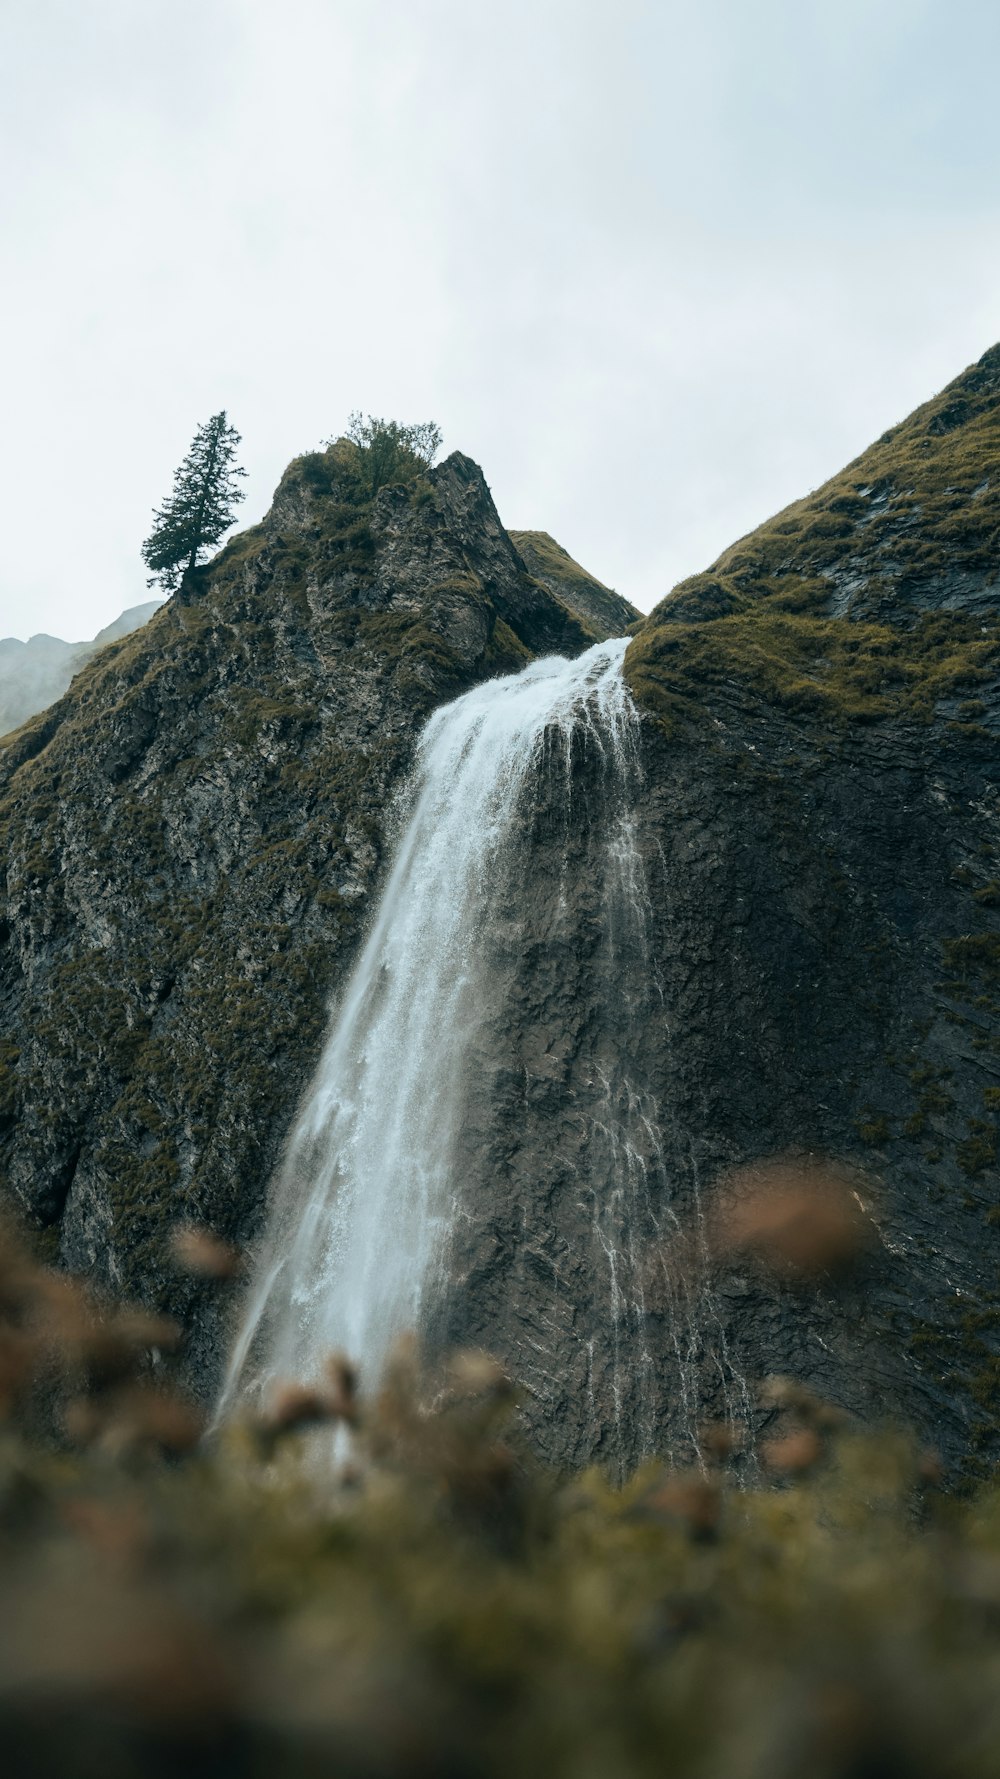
[(35, 673), (191, 838), (194, 832), (819, 826), (598, 607), (824, 782)]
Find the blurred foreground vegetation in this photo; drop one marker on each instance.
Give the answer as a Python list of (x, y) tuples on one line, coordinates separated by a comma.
[(433, 1604)]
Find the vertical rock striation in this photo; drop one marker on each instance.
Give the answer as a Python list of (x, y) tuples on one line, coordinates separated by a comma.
[(191, 836), (797, 951), (823, 827)]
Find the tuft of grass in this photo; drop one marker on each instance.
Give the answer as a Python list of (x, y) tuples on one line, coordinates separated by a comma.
[(869, 599), (431, 1602)]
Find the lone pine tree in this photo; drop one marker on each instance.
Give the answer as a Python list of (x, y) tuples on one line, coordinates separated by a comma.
[(201, 507)]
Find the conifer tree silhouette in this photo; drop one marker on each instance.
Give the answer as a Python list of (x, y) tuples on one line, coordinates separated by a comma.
[(200, 508)]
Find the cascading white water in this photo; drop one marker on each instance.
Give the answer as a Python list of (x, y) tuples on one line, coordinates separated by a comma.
[(366, 1197)]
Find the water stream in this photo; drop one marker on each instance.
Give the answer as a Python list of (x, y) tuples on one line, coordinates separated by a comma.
[(366, 1197)]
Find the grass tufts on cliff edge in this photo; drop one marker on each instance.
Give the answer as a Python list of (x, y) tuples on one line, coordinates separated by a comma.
[(874, 597), (600, 608)]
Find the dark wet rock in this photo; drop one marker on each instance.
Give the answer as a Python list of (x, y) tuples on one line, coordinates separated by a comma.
[(823, 821), (599, 608), (194, 834)]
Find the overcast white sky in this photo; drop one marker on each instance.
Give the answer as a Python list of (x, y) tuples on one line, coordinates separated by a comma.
[(660, 267)]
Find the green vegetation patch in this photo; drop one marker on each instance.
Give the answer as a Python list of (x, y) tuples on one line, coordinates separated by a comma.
[(601, 610), (839, 672), (868, 599)]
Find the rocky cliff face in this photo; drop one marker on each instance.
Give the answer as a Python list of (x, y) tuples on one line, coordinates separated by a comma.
[(191, 838), (819, 976), (194, 832), (598, 607), (824, 706)]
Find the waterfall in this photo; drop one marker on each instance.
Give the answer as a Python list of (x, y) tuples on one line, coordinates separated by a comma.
[(367, 1196)]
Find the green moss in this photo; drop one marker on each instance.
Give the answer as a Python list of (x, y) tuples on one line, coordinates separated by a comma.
[(260, 713), (9, 1058), (978, 1151), (934, 1101), (828, 669), (874, 1129), (601, 610), (246, 547), (333, 488), (974, 955), (506, 649), (831, 609)]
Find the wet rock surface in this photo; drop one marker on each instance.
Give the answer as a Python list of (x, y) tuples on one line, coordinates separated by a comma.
[(813, 973), (192, 835), (802, 988), (807, 960)]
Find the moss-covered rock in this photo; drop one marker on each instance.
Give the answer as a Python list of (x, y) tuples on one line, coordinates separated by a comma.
[(823, 707), (875, 596), (191, 836), (603, 611)]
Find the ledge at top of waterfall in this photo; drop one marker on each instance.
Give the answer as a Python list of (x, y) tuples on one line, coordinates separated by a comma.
[(366, 1197)]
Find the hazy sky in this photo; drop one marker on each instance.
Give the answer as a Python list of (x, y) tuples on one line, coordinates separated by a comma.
[(659, 267)]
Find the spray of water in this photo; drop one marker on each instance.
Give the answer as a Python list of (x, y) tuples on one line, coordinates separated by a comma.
[(366, 1197)]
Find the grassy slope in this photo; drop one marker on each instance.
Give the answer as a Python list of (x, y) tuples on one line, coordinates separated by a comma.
[(210, 681), (839, 606), (603, 610)]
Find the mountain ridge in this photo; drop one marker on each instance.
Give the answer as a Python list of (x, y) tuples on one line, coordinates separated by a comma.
[(598, 606), (194, 833), (904, 543)]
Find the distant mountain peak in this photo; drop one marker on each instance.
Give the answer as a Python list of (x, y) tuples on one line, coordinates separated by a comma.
[(35, 673)]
